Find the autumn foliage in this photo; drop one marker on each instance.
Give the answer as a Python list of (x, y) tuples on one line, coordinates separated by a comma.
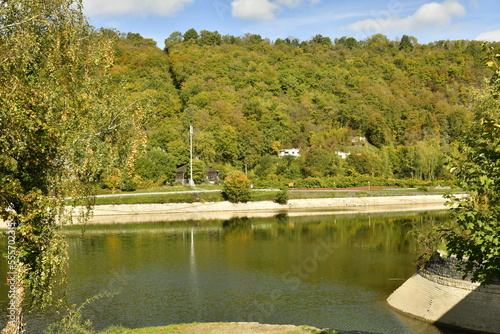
[(237, 187)]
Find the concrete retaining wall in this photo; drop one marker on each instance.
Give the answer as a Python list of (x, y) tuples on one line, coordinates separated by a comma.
[(449, 301), (139, 213), (295, 207)]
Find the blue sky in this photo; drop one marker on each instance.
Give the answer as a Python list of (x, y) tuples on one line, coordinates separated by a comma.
[(424, 19)]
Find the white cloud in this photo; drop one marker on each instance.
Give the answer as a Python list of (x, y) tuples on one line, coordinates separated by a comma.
[(254, 9), (289, 3), (435, 13), (134, 7), (263, 9), (428, 15), (490, 36)]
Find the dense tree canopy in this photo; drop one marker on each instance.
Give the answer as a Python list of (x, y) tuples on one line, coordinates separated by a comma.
[(247, 98)]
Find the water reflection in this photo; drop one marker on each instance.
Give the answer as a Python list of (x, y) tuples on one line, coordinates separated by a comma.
[(325, 271), (194, 282)]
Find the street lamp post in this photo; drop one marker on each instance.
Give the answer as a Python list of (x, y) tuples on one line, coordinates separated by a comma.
[(191, 182)]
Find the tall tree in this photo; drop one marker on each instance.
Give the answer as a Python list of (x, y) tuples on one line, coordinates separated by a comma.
[(60, 124), (476, 240), (191, 34), (210, 38), (174, 38), (406, 43)]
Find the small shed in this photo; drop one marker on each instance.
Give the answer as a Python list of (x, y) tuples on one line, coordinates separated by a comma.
[(182, 175), (212, 175)]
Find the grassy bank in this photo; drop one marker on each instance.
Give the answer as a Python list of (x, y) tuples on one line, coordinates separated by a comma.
[(233, 328), (214, 194)]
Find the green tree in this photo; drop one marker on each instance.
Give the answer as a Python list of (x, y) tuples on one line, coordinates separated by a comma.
[(252, 38), (138, 40), (377, 131), (319, 39), (288, 167), (378, 43), (320, 162), (174, 38), (226, 148), (406, 43), (162, 136), (237, 187), (267, 165), (476, 240), (210, 38), (199, 171), (156, 165), (405, 162), (191, 34), (429, 159), (360, 163), (204, 146), (349, 42), (61, 125)]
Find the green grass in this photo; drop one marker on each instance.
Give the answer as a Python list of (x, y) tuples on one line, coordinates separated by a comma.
[(172, 195), (166, 189), (170, 329), (183, 329)]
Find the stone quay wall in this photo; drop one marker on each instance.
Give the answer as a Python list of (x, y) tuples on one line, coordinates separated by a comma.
[(438, 294)]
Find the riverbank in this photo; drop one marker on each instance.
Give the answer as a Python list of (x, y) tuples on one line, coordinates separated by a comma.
[(130, 213), (222, 328), (141, 213)]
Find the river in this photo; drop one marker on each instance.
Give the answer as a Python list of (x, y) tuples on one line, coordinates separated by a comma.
[(331, 271)]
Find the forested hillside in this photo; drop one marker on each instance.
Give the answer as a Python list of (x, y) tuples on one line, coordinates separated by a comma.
[(248, 97)]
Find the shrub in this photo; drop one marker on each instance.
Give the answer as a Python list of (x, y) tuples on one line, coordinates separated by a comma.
[(128, 184), (111, 179), (310, 182), (236, 187), (282, 197), (270, 181)]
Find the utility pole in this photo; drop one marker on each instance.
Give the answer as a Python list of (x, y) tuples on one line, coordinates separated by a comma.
[(191, 182)]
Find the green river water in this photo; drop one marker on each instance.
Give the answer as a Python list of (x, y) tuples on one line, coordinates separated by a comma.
[(327, 271)]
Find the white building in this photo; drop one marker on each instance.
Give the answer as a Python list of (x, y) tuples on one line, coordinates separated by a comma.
[(290, 151), (343, 155)]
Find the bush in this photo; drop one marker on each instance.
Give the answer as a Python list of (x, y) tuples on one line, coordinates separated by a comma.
[(111, 179), (310, 182), (270, 181), (128, 184), (282, 197), (237, 187)]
